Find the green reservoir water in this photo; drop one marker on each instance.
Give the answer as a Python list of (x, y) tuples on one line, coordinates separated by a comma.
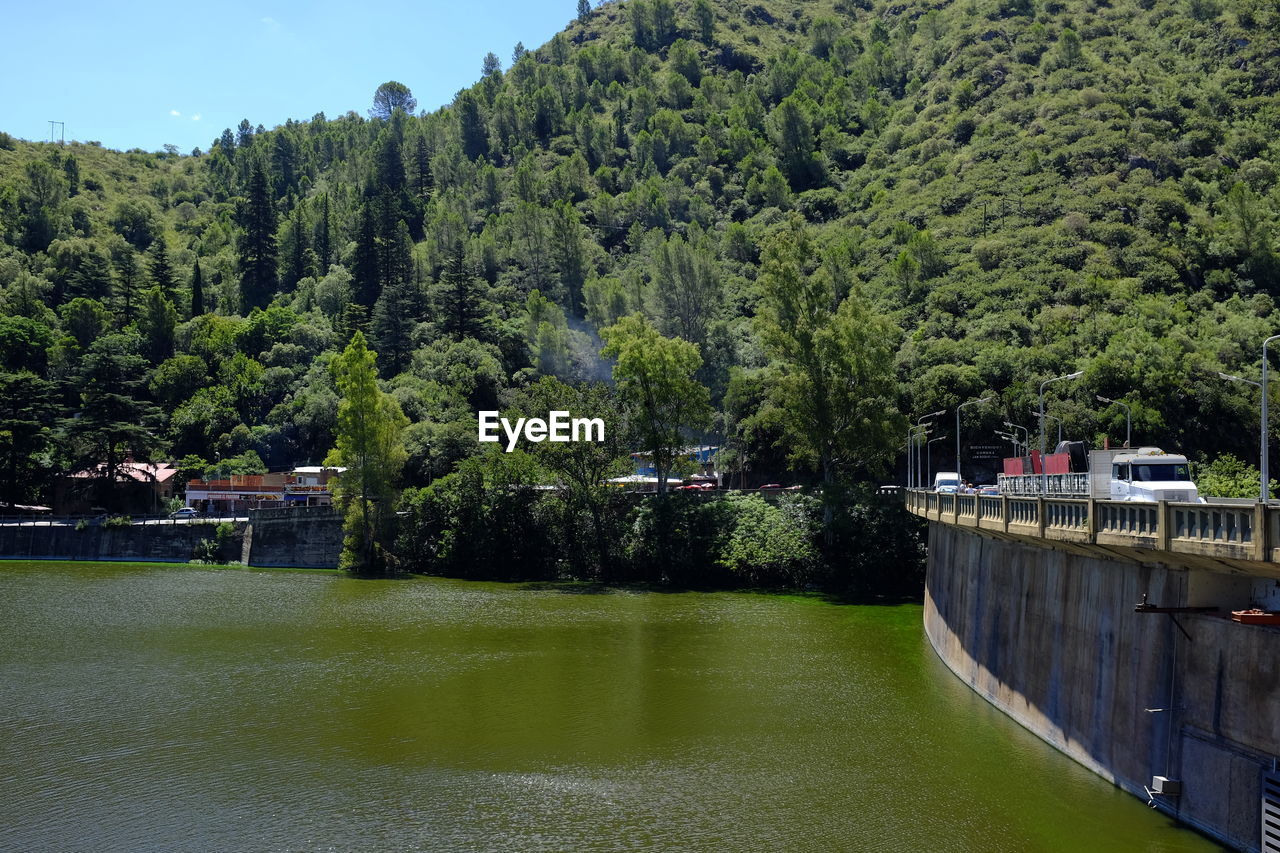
[(146, 708)]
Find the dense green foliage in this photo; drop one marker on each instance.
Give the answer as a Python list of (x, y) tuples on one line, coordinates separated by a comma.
[(488, 520), (1228, 477), (848, 210)]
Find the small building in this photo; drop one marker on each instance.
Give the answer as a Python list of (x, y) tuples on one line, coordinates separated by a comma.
[(140, 487), (311, 486), (239, 493)]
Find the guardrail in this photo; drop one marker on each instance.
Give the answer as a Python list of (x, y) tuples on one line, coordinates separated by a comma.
[(1231, 531), (101, 520)]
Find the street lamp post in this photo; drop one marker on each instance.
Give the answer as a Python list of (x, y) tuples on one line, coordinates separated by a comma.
[(920, 424), (928, 465), (1128, 416), (918, 448), (1059, 420), (1265, 441), (1263, 491), (1044, 476), (913, 446), (911, 477), (1026, 437), (987, 399)]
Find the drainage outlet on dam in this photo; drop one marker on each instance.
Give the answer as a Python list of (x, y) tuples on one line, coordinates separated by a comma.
[(1270, 813)]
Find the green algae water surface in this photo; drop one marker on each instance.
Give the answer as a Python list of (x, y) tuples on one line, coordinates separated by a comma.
[(146, 708)]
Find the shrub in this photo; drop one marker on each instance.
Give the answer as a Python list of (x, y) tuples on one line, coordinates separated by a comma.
[(771, 544)]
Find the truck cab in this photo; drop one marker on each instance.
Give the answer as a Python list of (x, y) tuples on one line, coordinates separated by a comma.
[(946, 482), (1150, 474)]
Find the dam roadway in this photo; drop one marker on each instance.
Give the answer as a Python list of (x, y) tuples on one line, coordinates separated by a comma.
[(1106, 628)]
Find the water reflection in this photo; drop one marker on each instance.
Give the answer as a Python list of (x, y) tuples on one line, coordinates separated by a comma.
[(171, 709)]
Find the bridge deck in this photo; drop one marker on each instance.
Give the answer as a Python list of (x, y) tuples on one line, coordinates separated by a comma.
[(1235, 537)]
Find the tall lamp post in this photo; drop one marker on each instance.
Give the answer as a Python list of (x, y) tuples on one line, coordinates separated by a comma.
[(1263, 491), (1026, 437), (1128, 415), (911, 455), (910, 429), (919, 425), (1044, 476), (1059, 420), (986, 399), (1266, 437), (918, 448), (913, 447), (928, 465)]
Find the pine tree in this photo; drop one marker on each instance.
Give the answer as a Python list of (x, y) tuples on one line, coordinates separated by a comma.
[(705, 18), (197, 290), (584, 9), (296, 265), (71, 168), (398, 307), (459, 301), (27, 407), (156, 325), (365, 263), (472, 129), (258, 243), (92, 278), (422, 181), (324, 246), (161, 269), (130, 277), (113, 419), (570, 254)]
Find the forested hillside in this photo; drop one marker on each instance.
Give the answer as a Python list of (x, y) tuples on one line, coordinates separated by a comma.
[(1001, 190)]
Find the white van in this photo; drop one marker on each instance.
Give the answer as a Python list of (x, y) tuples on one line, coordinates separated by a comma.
[(946, 482)]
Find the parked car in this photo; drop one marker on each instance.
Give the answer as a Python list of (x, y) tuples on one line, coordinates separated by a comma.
[(989, 490), (770, 486), (185, 512)]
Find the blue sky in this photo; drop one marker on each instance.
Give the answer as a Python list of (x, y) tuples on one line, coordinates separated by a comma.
[(140, 76)]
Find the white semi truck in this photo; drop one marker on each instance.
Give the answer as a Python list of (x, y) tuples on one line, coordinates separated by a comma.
[(1147, 474)]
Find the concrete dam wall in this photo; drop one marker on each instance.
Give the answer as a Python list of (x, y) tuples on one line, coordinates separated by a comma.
[(308, 537), (1049, 634), (142, 543)]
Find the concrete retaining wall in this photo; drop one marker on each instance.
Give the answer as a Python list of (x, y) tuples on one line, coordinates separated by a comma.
[(1050, 636), (309, 537), (144, 543)]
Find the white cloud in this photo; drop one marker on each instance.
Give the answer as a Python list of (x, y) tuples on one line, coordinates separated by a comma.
[(174, 113), (196, 117), (270, 22)]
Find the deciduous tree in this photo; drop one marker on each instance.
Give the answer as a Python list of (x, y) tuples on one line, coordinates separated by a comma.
[(832, 383), (656, 384)]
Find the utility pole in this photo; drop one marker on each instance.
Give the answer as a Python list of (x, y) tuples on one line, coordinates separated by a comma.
[(1265, 493), (62, 128)]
